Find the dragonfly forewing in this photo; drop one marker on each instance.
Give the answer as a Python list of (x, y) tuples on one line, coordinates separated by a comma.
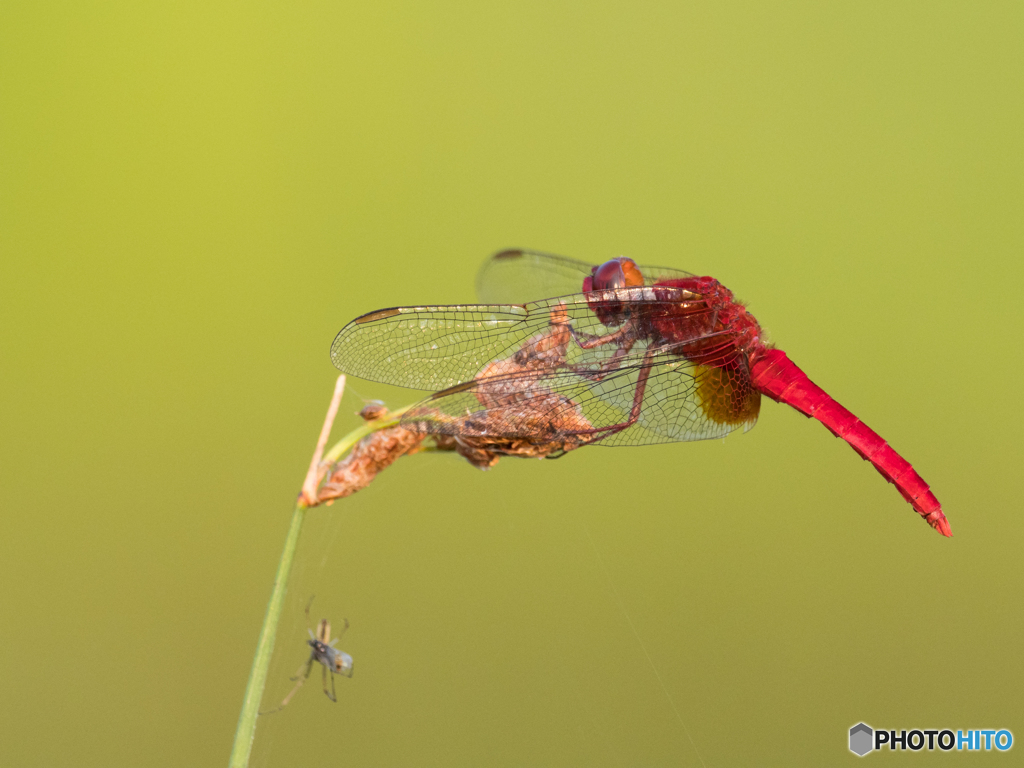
[(436, 347)]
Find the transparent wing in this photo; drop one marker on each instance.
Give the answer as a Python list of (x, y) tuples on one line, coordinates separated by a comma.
[(436, 347), (681, 401), (678, 401), (552, 374), (521, 275)]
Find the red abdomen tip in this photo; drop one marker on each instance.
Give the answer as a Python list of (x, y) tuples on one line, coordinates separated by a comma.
[(775, 375)]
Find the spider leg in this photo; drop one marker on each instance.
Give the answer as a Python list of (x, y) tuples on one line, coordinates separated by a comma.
[(292, 692), (309, 668), (340, 633), (301, 679), (330, 695)]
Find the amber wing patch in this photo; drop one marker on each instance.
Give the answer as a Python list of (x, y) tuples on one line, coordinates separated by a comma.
[(726, 394)]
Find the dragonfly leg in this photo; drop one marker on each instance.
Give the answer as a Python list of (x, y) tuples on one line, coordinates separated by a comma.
[(600, 433), (608, 366), (586, 341)]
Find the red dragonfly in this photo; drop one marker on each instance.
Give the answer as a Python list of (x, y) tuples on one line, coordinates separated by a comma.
[(623, 355)]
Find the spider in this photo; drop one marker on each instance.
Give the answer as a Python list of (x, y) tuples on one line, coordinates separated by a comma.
[(323, 651)]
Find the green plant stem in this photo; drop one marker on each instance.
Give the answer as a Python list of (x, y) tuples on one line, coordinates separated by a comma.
[(246, 730)]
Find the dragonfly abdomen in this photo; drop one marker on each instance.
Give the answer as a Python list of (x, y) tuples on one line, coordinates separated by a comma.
[(775, 375)]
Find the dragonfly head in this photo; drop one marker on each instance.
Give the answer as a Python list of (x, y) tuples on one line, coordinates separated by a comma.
[(610, 276), (616, 273)]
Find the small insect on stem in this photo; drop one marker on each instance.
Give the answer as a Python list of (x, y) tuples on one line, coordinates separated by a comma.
[(324, 652), (373, 410)]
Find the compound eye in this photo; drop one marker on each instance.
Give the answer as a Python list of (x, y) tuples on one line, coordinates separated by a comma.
[(617, 273), (609, 276), (634, 277)]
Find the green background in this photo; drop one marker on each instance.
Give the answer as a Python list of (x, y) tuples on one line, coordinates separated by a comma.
[(195, 197)]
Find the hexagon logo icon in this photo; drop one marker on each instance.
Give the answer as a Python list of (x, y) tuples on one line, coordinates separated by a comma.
[(861, 737)]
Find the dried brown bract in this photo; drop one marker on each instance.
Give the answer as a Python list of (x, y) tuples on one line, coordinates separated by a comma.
[(519, 415), (504, 411), (517, 379), (537, 428), (484, 452), (369, 456)]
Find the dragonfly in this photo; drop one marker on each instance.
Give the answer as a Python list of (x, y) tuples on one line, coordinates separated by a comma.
[(565, 353)]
